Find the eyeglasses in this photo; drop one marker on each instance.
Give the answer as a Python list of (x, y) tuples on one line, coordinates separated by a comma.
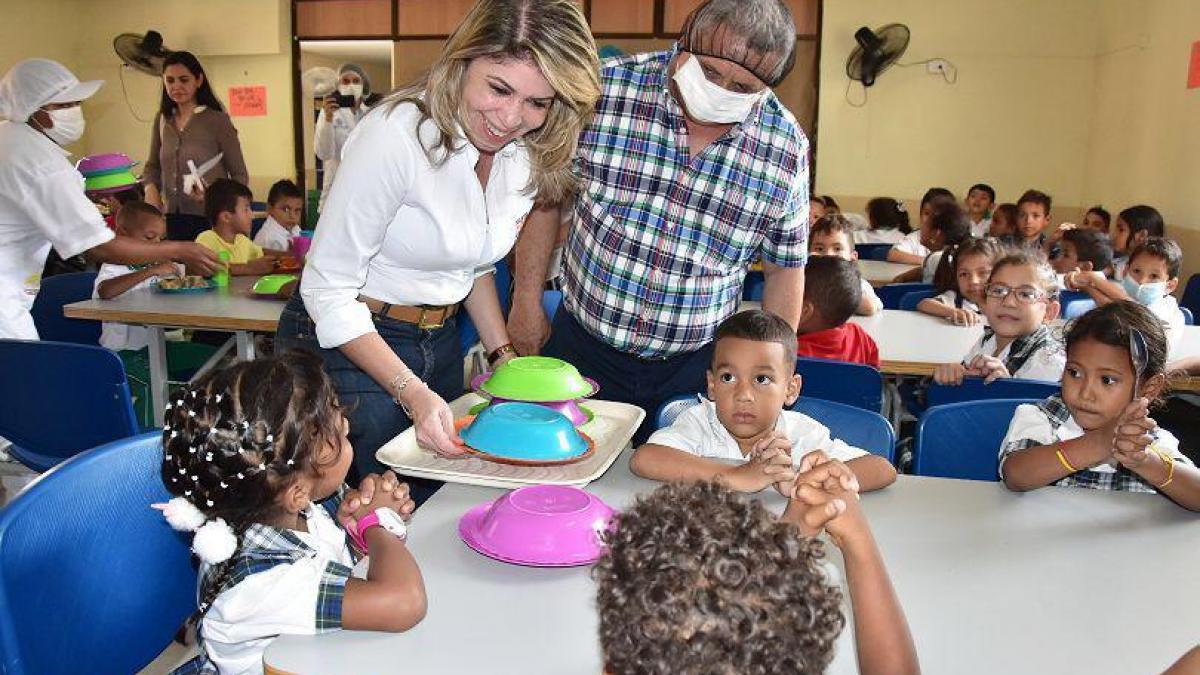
[(1026, 295)]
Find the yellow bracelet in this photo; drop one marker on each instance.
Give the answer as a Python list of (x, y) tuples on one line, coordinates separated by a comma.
[(1170, 467), (1062, 458)]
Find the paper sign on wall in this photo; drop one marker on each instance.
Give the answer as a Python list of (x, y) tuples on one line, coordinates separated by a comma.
[(248, 101), (1194, 69)]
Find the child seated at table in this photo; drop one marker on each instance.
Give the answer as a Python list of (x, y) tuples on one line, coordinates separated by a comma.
[(1021, 299), (887, 222), (1004, 221), (960, 280), (1151, 276), (698, 579), (946, 227), (227, 205), (247, 452), (1098, 432), (142, 221), (751, 380), (1134, 226), (978, 204), (912, 250), (832, 290), (833, 235), (1033, 216), (285, 207), (1098, 219), (1083, 250)]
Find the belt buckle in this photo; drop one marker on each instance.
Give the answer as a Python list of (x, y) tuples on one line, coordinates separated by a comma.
[(425, 325)]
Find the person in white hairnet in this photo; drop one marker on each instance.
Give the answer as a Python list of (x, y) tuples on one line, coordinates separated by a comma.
[(42, 203), (335, 122)]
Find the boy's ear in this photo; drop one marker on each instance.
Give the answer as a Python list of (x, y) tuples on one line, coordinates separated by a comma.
[(709, 382), (793, 389), (853, 253), (1172, 285), (1086, 266), (1052, 309), (807, 310)]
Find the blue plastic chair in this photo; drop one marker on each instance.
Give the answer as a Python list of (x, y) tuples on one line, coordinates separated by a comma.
[(860, 428), (550, 302), (853, 384), (973, 389), (47, 310), (468, 335), (1191, 295), (60, 399), (962, 440), (91, 578), (752, 288), (891, 294), (910, 301), (872, 251), (1078, 308), (1188, 318)]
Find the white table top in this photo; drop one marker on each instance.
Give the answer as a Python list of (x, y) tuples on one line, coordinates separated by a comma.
[(881, 272), (1071, 580), (229, 309)]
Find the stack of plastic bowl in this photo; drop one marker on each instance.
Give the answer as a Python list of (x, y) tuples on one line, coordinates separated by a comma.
[(551, 383), (539, 525), (107, 173), (525, 434)]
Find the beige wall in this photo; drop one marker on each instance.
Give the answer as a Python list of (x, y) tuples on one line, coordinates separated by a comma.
[(79, 34), (1145, 137)]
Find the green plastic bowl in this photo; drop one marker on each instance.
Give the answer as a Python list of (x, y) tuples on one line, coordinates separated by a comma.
[(271, 283), (538, 379), (109, 181)]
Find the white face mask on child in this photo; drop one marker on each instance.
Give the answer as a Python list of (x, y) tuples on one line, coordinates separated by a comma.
[(1144, 294)]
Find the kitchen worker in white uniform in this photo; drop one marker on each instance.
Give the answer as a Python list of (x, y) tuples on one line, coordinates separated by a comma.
[(42, 203)]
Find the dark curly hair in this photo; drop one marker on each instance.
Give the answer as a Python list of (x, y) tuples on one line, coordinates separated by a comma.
[(699, 580), (237, 437)]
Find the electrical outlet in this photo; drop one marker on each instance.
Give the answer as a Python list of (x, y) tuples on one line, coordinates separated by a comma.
[(937, 66)]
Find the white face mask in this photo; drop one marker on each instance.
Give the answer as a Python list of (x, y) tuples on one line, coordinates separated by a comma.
[(354, 90), (1145, 294), (709, 102), (68, 125)]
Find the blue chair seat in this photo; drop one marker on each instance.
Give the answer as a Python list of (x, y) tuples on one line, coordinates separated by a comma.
[(962, 440), (892, 294), (60, 399), (91, 578), (1191, 294), (873, 251)]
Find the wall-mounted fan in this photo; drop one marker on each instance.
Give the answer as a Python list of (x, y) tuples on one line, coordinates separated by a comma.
[(319, 81), (876, 51), (142, 52)]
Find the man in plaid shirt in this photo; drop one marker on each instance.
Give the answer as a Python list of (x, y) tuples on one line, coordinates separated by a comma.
[(690, 170)]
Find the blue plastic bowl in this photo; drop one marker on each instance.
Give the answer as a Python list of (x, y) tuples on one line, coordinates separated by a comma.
[(524, 431)]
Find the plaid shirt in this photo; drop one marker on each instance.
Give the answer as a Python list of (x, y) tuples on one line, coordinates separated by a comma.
[(262, 548), (1058, 415), (661, 240)]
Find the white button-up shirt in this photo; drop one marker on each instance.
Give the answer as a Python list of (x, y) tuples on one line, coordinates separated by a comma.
[(399, 229), (42, 203)]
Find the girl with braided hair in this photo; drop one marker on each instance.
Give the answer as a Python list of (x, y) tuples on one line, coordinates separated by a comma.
[(247, 452)]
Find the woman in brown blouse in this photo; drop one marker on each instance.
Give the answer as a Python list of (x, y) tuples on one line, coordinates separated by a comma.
[(191, 125)]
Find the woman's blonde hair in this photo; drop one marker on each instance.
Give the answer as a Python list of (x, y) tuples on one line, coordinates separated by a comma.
[(553, 34)]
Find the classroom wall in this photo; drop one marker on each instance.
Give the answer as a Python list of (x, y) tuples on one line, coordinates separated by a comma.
[(1145, 136), (1017, 117), (79, 33)]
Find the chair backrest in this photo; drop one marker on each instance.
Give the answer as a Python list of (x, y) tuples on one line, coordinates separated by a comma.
[(550, 302), (910, 301), (860, 428), (962, 440), (60, 399), (891, 294), (973, 389), (1189, 319), (851, 383), (752, 287), (91, 578), (47, 310), (873, 251), (1191, 294), (1077, 308)]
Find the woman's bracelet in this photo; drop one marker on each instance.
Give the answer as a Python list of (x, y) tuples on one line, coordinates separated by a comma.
[(399, 383), (498, 352)]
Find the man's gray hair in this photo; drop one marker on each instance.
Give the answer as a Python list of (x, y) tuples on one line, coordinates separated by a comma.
[(759, 35)]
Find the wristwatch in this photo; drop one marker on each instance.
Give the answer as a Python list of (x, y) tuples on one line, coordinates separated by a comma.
[(381, 517)]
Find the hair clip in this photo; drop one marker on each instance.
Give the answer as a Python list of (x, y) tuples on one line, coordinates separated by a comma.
[(291, 462), (169, 405), (241, 475), (187, 493), (208, 457), (270, 438), (174, 433), (223, 484), (191, 413), (182, 471), (195, 479), (168, 457), (218, 398), (245, 425), (262, 466), (191, 449), (174, 479), (179, 401)]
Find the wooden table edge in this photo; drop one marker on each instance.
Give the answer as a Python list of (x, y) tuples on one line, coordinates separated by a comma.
[(166, 319)]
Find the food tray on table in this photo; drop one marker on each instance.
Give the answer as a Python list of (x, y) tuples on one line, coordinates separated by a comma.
[(611, 429), (184, 285)]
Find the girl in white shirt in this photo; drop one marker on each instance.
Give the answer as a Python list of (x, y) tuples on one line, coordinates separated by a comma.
[(912, 250), (435, 184), (960, 282), (888, 221)]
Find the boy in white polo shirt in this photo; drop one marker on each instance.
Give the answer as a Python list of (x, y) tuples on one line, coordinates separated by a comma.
[(751, 379)]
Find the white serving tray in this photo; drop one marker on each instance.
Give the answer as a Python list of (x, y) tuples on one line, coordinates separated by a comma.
[(611, 429)]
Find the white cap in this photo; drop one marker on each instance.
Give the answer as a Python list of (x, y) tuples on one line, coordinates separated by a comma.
[(33, 83)]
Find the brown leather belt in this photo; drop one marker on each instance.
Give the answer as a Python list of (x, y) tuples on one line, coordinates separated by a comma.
[(428, 317)]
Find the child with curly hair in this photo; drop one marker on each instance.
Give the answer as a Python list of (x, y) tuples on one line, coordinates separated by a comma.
[(697, 579)]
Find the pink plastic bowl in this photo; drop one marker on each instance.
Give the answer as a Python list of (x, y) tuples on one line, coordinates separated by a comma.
[(578, 415), (539, 525), (110, 162)]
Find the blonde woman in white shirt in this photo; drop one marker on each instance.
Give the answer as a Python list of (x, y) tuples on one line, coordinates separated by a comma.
[(434, 186)]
